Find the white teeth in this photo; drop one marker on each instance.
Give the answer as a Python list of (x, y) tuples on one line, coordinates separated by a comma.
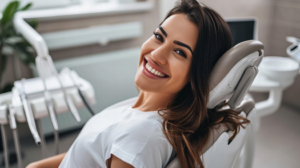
[(153, 71)]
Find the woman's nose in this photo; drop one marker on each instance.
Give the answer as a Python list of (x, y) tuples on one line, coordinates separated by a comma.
[(160, 55)]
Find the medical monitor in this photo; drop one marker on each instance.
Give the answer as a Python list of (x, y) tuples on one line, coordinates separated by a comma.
[(242, 29)]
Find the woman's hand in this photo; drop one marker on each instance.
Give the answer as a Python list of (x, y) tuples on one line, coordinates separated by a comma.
[(51, 162)]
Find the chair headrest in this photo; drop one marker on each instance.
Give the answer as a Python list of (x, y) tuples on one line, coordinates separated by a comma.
[(234, 73)]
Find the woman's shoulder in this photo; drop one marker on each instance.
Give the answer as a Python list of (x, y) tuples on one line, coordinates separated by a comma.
[(144, 126), (148, 133), (145, 141)]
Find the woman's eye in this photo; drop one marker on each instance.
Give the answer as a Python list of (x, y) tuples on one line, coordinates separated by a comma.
[(158, 36), (180, 52)]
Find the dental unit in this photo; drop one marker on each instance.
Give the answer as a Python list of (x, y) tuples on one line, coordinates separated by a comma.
[(50, 94)]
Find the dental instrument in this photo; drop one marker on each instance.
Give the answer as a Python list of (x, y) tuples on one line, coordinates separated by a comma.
[(46, 68), (4, 137), (43, 142), (13, 127), (29, 114), (87, 105), (50, 109), (33, 92)]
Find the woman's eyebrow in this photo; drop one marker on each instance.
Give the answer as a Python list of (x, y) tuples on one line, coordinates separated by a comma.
[(163, 31), (183, 45)]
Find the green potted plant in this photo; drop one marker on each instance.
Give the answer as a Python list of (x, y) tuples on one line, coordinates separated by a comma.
[(10, 40)]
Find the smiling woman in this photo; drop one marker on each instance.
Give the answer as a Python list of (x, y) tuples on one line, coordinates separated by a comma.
[(186, 46), (170, 113), (168, 52)]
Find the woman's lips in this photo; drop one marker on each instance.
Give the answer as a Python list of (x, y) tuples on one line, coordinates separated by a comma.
[(149, 74), (153, 65)]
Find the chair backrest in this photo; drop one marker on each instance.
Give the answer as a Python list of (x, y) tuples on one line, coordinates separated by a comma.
[(230, 80)]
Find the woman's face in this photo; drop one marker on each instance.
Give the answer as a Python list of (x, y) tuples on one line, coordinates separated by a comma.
[(166, 57)]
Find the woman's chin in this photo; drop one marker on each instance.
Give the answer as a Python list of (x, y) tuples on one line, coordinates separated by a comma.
[(144, 85)]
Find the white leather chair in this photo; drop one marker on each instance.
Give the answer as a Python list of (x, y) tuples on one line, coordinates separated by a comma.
[(230, 80)]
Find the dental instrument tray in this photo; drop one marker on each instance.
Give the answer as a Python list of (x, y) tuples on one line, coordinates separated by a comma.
[(34, 90)]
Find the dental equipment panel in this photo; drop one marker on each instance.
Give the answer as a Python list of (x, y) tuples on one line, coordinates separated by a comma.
[(34, 90), (27, 103)]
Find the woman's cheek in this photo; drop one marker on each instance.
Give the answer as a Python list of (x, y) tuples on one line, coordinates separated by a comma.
[(180, 76)]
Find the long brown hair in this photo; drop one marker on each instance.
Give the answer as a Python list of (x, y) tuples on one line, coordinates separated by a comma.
[(187, 121)]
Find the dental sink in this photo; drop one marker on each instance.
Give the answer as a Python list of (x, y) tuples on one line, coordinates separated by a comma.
[(275, 74), (279, 69)]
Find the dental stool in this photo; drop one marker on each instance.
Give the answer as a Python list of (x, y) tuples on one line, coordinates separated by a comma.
[(229, 82)]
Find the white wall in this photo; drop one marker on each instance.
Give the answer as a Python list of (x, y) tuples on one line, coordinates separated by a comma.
[(165, 6)]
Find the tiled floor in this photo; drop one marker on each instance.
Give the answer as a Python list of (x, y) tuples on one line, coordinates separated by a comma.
[(277, 145), (278, 140)]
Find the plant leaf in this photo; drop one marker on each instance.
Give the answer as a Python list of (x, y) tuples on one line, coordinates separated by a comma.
[(26, 7), (20, 49), (8, 12), (7, 87), (3, 62)]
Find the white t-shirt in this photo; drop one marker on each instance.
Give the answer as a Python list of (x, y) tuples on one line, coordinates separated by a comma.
[(134, 136)]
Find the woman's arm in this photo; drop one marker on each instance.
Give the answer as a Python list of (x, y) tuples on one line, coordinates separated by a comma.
[(116, 163), (51, 162)]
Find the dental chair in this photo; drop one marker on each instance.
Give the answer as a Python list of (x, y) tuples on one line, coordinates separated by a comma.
[(229, 82)]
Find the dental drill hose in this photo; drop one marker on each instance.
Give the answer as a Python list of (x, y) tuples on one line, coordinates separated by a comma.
[(52, 114), (5, 146), (29, 115), (80, 93), (13, 126), (85, 102)]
